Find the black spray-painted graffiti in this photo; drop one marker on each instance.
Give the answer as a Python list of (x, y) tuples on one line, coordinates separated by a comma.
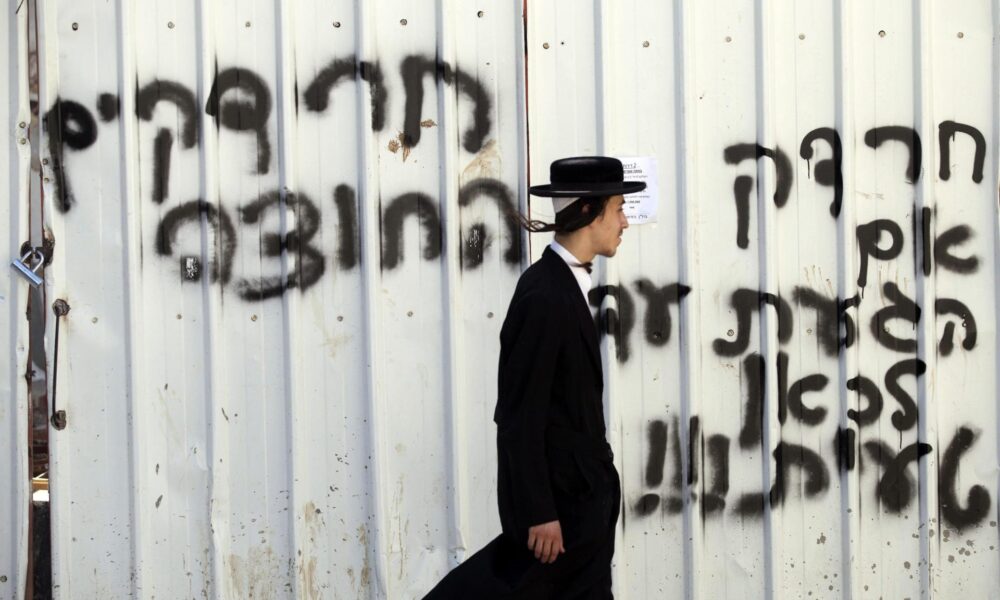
[(241, 101)]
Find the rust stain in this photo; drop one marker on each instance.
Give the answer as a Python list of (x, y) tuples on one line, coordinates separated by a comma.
[(486, 163), (393, 145), (402, 142), (428, 123)]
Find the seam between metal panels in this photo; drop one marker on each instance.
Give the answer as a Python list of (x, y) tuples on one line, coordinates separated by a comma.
[(922, 100), (448, 200), (290, 300), (996, 230), (369, 199), (132, 280), (846, 358), (762, 54), (684, 116)]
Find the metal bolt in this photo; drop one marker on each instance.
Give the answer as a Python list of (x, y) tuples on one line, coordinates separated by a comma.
[(961, 35), (46, 179), (253, 317), (76, 26), (22, 124), (480, 14), (340, 318), (728, 39), (730, 333), (545, 45), (45, 161), (409, 313), (402, 22), (94, 320), (60, 307), (178, 316), (489, 315), (336, 23), (170, 24), (645, 44), (802, 36), (248, 24), (22, 141), (881, 33)]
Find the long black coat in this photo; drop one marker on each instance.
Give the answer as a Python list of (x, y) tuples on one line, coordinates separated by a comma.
[(553, 462)]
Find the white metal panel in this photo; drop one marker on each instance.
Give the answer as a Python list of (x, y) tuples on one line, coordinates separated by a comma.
[(250, 422), (15, 155), (848, 507)]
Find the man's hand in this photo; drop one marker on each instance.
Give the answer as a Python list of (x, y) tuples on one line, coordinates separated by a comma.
[(545, 540)]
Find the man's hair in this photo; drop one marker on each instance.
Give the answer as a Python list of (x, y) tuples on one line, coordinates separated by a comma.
[(577, 215)]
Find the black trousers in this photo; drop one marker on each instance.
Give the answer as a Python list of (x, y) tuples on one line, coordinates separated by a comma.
[(506, 569)]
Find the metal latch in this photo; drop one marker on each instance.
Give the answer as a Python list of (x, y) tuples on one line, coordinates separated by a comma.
[(30, 273)]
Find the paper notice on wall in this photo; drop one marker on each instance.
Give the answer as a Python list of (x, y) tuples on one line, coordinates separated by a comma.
[(640, 208)]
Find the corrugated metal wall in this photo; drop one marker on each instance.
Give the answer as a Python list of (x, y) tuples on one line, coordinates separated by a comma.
[(282, 230), (15, 155), (826, 256)]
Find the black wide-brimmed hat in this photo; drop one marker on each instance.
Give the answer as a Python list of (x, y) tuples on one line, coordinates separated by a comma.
[(583, 176)]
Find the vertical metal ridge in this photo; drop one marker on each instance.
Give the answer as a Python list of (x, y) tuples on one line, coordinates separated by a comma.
[(995, 179), (685, 123), (18, 412), (369, 217), (218, 438), (523, 146), (132, 280), (765, 260), (290, 299), (448, 187), (922, 112), (847, 358)]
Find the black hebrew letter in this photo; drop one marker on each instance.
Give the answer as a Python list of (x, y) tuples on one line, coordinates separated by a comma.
[(895, 489), (786, 456), (317, 94), (946, 132), (413, 70), (953, 237), (108, 107), (225, 236), (309, 264), (908, 136), (901, 308), (755, 373), (616, 323), (349, 250), (745, 302), (145, 103), (828, 171), (654, 466), (68, 124), (949, 306), (844, 444), (474, 244), (906, 416), (790, 397), (869, 235), (714, 499), (243, 116), (869, 389), (403, 206), (737, 153), (830, 314), (657, 323), (977, 500)]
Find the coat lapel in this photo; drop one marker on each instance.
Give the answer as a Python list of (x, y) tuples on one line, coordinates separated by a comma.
[(566, 282)]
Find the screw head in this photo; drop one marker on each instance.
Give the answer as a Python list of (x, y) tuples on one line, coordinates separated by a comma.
[(545, 45), (336, 24), (253, 317), (170, 24), (76, 26), (729, 39), (402, 22), (961, 35), (881, 33), (645, 44), (480, 14)]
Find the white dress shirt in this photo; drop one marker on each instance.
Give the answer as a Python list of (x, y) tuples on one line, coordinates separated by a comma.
[(580, 273)]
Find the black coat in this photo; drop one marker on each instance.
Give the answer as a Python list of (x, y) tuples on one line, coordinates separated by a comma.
[(550, 386), (553, 462)]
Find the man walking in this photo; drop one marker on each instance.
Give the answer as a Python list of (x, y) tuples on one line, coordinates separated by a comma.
[(558, 491)]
